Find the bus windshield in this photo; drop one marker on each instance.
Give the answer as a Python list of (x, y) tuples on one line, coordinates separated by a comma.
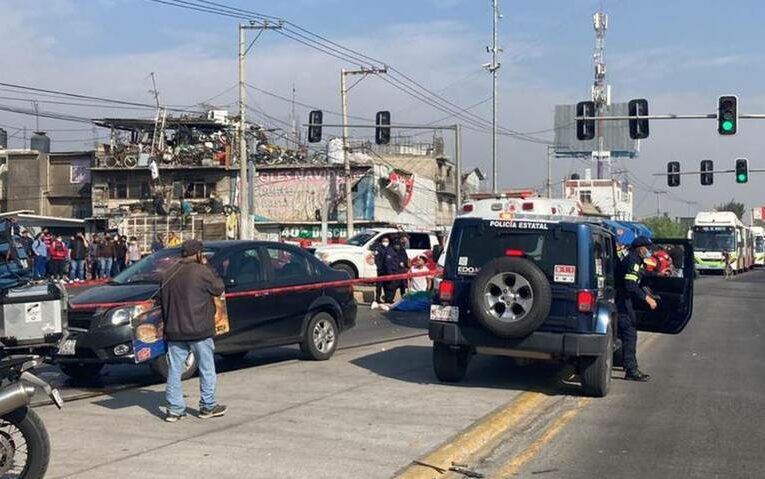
[(759, 247), (714, 240)]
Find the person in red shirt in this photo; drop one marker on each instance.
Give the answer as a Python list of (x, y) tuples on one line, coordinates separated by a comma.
[(59, 254)]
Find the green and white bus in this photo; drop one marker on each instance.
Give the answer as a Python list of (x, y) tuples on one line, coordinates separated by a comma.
[(716, 232)]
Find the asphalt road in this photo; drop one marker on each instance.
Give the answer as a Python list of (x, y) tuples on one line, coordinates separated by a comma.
[(701, 415), (371, 327)]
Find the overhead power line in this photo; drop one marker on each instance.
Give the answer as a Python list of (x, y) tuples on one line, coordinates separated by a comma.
[(396, 78)]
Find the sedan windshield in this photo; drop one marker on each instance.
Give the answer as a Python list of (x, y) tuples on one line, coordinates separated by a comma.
[(149, 269)]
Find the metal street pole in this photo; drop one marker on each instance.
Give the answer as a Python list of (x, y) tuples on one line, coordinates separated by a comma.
[(550, 151), (458, 164), (494, 68), (346, 157)]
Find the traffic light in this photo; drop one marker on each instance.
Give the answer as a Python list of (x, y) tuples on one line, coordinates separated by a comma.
[(315, 119), (742, 170), (673, 173), (638, 127), (727, 115), (707, 175), (382, 132), (585, 129)]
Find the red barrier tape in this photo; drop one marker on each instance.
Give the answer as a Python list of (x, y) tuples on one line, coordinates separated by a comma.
[(91, 282), (255, 293)]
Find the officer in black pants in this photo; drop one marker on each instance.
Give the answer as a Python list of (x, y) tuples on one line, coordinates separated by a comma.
[(629, 275)]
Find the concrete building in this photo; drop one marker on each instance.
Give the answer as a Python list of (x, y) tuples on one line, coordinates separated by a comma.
[(612, 198), (49, 184)]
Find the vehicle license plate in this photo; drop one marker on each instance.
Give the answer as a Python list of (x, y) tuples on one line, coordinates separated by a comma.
[(444, 313), (66, 348)]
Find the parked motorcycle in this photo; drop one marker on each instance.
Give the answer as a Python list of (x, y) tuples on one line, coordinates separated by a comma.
[(24, 442)]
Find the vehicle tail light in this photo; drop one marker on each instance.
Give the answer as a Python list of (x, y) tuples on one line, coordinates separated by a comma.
[(585, 301), (515, 253), (467, 208), (528, 206), (446, 291)]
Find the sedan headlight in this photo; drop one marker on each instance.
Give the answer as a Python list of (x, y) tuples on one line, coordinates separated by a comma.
[(122, 316)]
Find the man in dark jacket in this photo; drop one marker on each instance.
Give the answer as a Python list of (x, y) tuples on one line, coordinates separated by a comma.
[(78, 253), (396, 262), (629, 275), (188, 290), (380, 251)]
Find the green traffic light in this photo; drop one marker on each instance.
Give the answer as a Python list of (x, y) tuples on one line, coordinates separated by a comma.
[(741, 178), (727, 125)]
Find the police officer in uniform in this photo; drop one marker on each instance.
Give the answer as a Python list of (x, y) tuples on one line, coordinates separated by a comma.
[(630, 274)]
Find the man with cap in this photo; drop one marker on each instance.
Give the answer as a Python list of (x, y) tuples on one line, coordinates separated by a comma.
[(188, 289), (629, 275)]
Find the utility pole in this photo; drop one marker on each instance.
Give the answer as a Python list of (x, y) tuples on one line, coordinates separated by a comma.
[(493, 68), (458, 164), (550, 153), (245, 212), (364, 72), (658, 194)]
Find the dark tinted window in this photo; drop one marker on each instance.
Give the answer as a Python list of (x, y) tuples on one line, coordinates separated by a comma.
[(243, 267), (287, 264), (547, 249), (419, 241)]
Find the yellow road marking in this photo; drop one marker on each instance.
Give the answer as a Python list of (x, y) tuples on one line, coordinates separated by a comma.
[(511, 468), (491, 428), (468, 442)]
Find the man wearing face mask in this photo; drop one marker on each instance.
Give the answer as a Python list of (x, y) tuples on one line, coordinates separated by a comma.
[(380, 251), (629, 275)]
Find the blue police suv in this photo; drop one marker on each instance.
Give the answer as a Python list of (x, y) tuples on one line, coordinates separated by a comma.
[(544, 289)]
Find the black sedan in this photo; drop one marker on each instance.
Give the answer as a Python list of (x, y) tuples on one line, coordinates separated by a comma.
[(100, 332)]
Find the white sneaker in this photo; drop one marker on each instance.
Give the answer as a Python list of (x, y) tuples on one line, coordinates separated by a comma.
[(374, 305)]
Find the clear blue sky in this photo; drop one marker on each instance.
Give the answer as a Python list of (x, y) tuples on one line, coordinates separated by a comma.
[(679, 54)]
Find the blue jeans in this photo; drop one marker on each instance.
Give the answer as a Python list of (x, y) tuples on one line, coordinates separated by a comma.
[(105, 267), (41, 267), (177, 351), (77, 269)]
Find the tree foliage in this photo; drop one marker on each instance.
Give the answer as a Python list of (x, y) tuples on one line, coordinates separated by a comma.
[(665, 227), (733, 206)]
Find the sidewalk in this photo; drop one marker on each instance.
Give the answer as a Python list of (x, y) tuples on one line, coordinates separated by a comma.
[(365, 413)]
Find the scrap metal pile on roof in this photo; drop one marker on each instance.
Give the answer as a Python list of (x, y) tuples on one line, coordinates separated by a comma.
[(185, 141)]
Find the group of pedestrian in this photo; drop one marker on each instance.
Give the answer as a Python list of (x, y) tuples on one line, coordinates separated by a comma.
[(78, 258), (391, 258)]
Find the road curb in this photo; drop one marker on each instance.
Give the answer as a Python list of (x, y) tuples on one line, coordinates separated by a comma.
[(469, 441)]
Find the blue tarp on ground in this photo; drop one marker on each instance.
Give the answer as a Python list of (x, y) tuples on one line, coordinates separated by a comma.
[(414, 302)]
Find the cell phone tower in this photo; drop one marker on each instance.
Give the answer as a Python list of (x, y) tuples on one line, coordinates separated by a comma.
[(601, 93)]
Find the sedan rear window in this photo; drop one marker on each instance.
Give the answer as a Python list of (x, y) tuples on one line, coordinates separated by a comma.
[(547, 248)]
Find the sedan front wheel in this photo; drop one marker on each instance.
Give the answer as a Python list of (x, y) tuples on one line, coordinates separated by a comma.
[(321, 336)]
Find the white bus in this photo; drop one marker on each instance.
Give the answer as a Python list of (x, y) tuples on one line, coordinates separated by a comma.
[(717, 232), (759, 245)]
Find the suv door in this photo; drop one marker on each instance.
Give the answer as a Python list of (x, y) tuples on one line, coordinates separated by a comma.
[(675, 292)]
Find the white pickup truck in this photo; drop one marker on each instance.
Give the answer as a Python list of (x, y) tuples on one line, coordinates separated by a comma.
[(356, 257)]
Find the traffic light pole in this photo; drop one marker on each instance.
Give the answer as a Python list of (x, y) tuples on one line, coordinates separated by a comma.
[(702, 116)]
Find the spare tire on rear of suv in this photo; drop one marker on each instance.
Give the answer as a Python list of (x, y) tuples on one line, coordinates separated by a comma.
[(511, 297)]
